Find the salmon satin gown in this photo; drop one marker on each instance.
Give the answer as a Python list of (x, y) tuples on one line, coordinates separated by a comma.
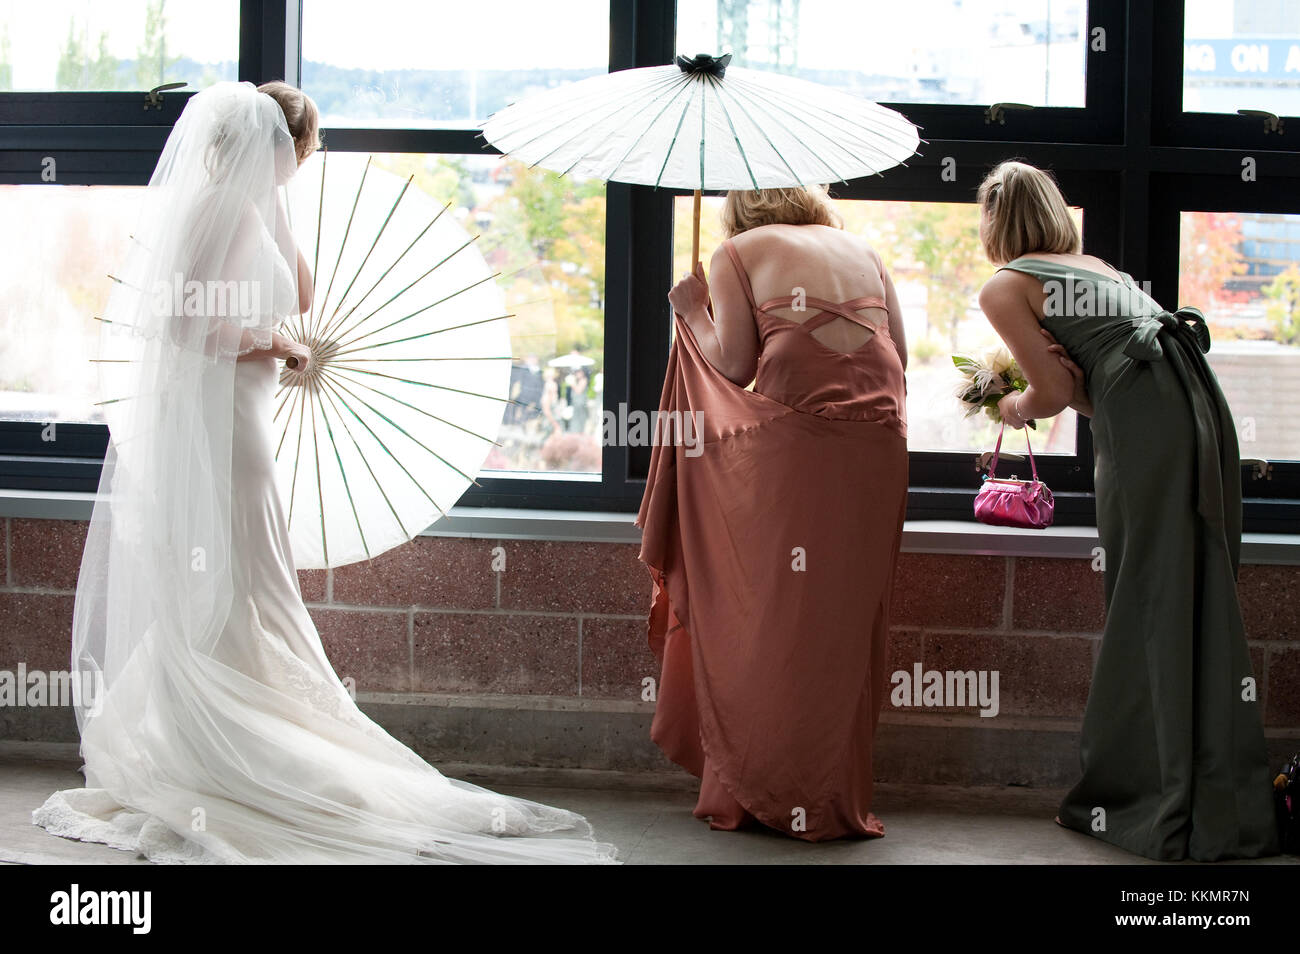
[(772, 547)]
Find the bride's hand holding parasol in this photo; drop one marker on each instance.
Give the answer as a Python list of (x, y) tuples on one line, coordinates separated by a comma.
[(296, 356)]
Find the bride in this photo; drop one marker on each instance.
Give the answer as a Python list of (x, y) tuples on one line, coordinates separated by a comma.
[(216, 730)]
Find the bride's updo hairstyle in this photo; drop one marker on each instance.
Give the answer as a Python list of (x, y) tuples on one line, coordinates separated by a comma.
[(747, 209), (299, 112), (1024, 212)]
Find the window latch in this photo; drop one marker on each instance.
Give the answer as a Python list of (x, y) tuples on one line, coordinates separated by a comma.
[(1259, 469), (153, 98), (997, 112), (982, 461), (1272, 123)]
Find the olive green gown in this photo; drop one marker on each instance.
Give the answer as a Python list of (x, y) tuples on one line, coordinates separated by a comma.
[(1172, 746)]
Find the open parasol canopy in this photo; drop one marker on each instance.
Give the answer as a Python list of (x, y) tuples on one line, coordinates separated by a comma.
[(702, 124), (411, 370)]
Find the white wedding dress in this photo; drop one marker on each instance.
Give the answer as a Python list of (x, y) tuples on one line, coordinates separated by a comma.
[(245, 747)]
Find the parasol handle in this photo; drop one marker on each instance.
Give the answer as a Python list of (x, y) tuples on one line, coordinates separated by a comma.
[(291, 362), (695, 233)]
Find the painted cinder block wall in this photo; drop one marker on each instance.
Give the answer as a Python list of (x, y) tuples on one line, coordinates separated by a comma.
[(564, 623)]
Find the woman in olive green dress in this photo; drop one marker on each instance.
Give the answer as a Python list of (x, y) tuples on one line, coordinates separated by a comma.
[(1173, 758)]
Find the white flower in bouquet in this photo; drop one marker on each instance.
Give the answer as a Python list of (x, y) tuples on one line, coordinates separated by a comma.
[(986, 381)]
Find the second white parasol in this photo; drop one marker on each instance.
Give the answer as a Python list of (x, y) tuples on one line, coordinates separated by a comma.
[(410, 371)]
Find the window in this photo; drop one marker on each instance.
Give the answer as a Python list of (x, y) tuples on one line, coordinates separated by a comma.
[(77, 45), (415, 99), (1224, 72), (544, 236), (433, 65), (1250, 294), (926, 51), (1241, 54), (76, 237), (1140, 131)]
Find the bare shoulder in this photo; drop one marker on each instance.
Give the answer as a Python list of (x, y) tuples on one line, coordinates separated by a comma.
[(1008, 287), (762, 238), (873, 255), (719, 256)]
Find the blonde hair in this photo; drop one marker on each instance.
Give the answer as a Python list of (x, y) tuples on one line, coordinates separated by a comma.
[(802, 205), (299, 112), (1025, 213)]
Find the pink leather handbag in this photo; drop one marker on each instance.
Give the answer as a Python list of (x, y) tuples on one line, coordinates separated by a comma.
[(1008, 502)]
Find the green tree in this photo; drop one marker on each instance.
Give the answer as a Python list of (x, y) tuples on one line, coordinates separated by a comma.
[(552, 229), (6, 68), (78, 70), (1283, 307), (1209, 256), (152, 61), (942, 241)]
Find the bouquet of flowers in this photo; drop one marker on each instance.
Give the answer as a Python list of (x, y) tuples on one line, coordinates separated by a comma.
[(986, 381)]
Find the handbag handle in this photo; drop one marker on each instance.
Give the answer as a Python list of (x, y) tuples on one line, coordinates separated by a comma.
[(993, 464)]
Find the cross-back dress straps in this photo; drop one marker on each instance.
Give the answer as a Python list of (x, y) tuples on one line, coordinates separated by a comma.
[(829, 310)]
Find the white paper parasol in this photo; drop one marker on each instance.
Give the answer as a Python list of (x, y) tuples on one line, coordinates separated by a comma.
[(699, 125), (411, 369)]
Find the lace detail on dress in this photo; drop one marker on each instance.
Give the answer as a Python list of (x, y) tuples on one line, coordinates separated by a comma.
[(92, 814)]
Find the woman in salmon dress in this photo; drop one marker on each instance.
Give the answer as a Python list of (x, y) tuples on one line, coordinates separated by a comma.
[(772, 531)]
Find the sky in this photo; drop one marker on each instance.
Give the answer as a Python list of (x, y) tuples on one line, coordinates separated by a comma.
[(454, 34), (207, 30), (527, 34)]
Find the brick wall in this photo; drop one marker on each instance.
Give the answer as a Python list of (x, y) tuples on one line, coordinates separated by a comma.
[(566, 620)]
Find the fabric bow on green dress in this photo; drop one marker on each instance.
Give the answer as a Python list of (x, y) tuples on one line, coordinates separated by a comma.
[(1144, 343)]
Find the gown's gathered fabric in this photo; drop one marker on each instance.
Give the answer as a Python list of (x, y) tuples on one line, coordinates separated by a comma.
[(1174, 763), (771, 545), (217, 731)]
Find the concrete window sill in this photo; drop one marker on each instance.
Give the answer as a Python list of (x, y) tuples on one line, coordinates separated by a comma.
[(919, 536)]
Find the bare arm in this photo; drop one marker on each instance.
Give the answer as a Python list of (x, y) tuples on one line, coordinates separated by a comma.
[(728, 339), (1005, 300), (306, 285), (1081, 402), (896, 331)]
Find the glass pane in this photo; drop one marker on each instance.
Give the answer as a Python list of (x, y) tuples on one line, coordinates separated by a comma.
[(545, 236), (933, 255), (110, 45), (1241, 54), (1243, 271), (56, 282), (408, 64), (924, 51)]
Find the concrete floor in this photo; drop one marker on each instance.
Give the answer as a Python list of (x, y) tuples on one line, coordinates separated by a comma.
[(649, 819)]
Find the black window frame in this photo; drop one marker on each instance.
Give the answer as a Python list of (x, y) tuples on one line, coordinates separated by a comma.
[(1125, 158), (1173, 126)]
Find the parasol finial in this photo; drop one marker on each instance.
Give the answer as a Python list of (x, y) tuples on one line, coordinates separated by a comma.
[(705, 63)]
